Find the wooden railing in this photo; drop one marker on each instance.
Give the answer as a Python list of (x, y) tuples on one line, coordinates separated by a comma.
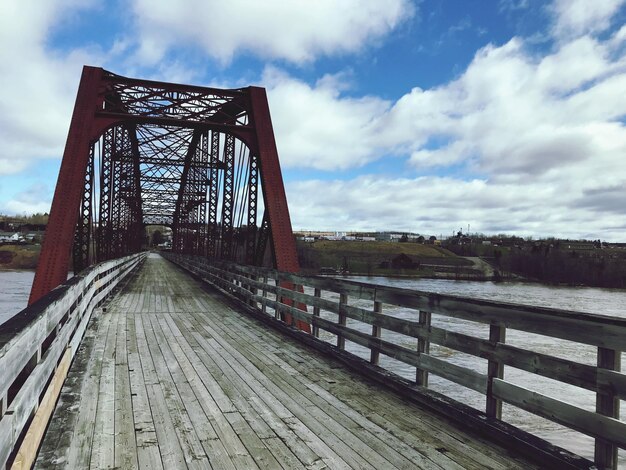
[(281, 294), (36, 349)]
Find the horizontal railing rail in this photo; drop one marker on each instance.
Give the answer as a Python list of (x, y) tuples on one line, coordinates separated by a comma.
[(282, 295), (43, 338)]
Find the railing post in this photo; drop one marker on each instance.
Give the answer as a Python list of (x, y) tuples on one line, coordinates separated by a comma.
[(264, 295), (423, 347), (495, 369), (316, 312), (375, 353), (4, 404), (341, 321), (605, 454), (252, 289), (277, 315)]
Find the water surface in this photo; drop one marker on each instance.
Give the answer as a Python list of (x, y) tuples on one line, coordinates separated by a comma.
[(14, 292)]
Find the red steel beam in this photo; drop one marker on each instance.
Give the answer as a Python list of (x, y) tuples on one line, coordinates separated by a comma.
[(274, 196), (53, 264), (90, 119)]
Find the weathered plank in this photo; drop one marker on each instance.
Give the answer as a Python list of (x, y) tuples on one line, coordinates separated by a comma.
[(588, 422), (28, 449), (103, 446), (605, 332), (205, 386)]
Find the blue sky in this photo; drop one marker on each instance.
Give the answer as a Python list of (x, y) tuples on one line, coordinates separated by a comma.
[(508, 115)]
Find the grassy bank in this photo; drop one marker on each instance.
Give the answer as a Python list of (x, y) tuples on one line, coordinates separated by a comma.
[(377, 258), (19, 256)]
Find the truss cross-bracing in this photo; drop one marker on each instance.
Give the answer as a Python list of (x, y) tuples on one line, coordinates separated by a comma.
[(201, 161)]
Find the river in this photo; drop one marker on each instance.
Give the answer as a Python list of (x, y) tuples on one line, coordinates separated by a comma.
[(14, 291), (15, 288)]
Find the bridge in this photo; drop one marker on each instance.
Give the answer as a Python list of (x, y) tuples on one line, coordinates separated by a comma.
[(220, 354)]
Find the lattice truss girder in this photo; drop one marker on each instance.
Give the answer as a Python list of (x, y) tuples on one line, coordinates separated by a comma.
[(201, 161), (200, 181)]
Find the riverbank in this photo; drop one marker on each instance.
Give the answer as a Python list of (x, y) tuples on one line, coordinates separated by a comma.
[(402, 260), (14, 257), (547, 266)]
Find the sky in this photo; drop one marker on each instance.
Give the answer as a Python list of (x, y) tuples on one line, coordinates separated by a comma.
[(413, 115)]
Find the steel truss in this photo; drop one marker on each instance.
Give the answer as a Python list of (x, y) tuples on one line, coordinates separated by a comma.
[(201, 161)]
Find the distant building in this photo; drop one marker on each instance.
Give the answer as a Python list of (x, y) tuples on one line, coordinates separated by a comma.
[(397, 236)]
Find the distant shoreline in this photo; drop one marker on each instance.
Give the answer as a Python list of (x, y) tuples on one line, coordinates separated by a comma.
[(19, 257)]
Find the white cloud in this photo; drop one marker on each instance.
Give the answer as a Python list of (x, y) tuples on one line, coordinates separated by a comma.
[(317, 128), (39, 85), (545, 133), (440, 205), (573, 18), (34, 199), (510, 115), (297, 31)]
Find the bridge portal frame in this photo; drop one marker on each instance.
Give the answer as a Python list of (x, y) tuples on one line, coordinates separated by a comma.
[(98, 108)]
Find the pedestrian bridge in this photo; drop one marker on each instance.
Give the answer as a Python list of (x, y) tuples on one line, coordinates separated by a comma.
[(170, 376), (222, 355), (169, 371)]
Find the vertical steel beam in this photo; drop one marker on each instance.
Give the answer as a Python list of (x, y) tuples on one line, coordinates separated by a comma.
[(57, 245), (227, 198), (105, 228), (202, 183), (263, 237), (274, 197), (253, 178), (137, 218), (213, 194), (286, 258), (183, 210), (82, 238)]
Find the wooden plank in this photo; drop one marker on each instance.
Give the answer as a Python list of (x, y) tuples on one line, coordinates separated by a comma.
[(436, 455), (103, 451), (172, 455), (284, 407), (148, 456), (464, 415), (322, 422), (423, 347), (198, 403), (607, 404), (352, 391), (193, 451), (28, 449), (124, 424), (343, 301), (495, 369), (376, 333), (587, 422), (80, 447)]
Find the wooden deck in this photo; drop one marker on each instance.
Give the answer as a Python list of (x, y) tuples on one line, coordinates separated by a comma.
[(168, 376)]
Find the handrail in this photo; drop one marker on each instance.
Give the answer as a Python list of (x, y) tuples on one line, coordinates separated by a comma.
[(33, 343), (267, 289)]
